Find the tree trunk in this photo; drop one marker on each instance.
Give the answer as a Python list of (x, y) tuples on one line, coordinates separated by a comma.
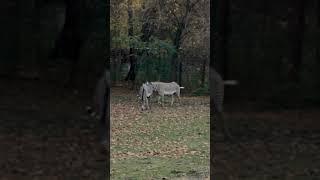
[(28, 39), (317, 55), (148, 26), (174, 68), (296, 32), (222, 37), (263, 29), (203, 72), (318, 13), (69, 42), (132, 72), (318, 30), (180, 73), (225, 30), (177, 44)]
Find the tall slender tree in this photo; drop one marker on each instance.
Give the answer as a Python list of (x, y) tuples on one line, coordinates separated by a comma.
[(296, 34), (68, 44), (132, 59), (179, 14)]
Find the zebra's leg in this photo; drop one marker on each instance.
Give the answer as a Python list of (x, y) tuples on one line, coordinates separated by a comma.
[(171, 99), (162, 100), (159, 97), (225, 127), (147, 103), (178, 95), (143, 106)]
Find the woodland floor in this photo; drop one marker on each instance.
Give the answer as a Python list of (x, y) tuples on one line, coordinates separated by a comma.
[(161, 143), (47, 136), (282, 144), (44, 135)]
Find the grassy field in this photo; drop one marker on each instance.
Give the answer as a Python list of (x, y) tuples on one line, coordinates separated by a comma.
[(165, 142), (45, 135)]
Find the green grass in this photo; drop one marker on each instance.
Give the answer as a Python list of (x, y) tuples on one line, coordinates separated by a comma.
[(158, 168), (166, 142)]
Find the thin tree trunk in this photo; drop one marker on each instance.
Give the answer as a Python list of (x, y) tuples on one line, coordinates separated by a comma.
[(318, 29), (317, 55), (225, 36), (180, 73), (41, 55), (69, 42), (132, 73), (318, 13), (203, 72), (174, 67), (263, 29), (222, 37), (148, 26), (107, 95), (177, 44), (28, 40), (296, 32)]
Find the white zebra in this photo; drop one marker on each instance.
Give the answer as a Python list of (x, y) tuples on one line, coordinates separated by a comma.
[(163, 89)]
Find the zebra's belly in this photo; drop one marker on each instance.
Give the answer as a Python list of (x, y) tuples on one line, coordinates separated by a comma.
[(169, 92)]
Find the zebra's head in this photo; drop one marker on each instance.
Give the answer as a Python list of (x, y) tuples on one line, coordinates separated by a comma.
[(151, 86), (146, 89)]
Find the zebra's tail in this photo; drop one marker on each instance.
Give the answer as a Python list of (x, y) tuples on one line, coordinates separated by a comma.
[(231, 82)]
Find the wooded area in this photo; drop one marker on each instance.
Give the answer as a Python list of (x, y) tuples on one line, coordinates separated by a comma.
[(57, 41), (52, 52), (160, 41), (270, 47)]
